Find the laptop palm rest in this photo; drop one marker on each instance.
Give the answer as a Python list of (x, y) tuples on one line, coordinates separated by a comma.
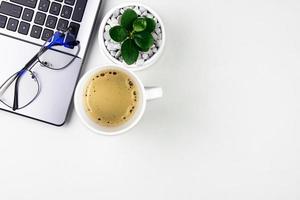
[(57, 87)]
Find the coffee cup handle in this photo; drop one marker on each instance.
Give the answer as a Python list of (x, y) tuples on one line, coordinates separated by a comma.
[(153, 93)]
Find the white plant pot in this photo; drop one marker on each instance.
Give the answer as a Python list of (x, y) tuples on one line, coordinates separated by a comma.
[(137, 66)]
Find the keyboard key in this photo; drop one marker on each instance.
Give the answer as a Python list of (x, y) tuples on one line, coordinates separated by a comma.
[(44, 5), (12, 24), (79, 10), (47, 33), (55, 8), (59, 0), (51, 21), (73, 32), (36, 32), (3, 20), (62, 25), (66, 12), (23, 28), (29, 3), (40, 18), (10, 9), (70, 2), (27, 14)]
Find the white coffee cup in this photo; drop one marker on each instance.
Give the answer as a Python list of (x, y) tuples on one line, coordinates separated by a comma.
[(145, 94)]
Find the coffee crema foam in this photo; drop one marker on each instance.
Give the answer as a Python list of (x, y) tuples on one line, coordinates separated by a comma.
[(111, 98)]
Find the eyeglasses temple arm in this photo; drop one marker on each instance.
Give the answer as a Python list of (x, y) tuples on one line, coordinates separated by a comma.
[(7, 83)]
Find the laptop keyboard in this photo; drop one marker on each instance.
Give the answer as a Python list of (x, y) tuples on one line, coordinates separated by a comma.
[(39, 19)]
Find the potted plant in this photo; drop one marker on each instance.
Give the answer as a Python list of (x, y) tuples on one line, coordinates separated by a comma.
[(132, 35)]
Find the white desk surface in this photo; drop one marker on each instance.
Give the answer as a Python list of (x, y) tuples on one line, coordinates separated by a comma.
[(227, 128)]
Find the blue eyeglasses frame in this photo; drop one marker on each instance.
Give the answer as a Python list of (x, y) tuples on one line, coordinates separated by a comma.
[(58, 39)]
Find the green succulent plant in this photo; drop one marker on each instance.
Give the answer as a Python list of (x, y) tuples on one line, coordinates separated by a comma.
[(134, 34)]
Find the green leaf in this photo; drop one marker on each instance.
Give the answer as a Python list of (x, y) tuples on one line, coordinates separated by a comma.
[(143, 50), (139, 24), (150, 25), (128, 18), (129, 51), (118, 33), (143, 40)]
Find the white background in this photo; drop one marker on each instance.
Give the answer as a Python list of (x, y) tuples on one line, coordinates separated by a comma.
[(227, 127)]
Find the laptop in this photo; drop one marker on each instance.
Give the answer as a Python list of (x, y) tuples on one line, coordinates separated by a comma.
[(24, 28)]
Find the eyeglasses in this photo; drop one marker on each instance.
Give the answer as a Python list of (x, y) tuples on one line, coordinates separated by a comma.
[(23, 87)]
